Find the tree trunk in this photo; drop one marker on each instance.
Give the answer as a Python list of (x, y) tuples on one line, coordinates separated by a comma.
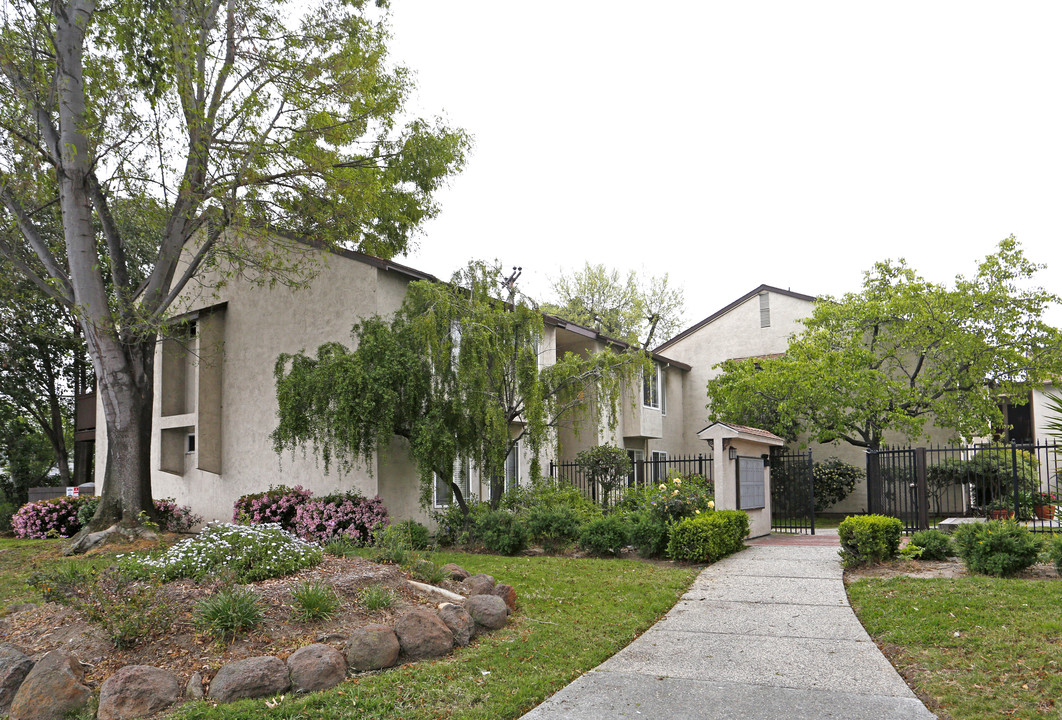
[(127, 394)]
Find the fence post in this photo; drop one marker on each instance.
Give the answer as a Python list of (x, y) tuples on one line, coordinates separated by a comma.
[(1014, 476), (921, 489), (811, 488)]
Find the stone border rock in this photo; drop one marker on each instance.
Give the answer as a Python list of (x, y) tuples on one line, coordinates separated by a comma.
[(54, 685)]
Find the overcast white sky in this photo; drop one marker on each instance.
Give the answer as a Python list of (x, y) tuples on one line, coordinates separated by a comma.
[(736, 143)]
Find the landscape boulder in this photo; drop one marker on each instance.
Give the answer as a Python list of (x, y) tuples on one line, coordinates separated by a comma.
[(479, 584), (53, 688), (251, 678), (422, 634), (488, 611), (372, 647), (137, 691), (455, 572), (506, 593), (459, 621), (14, 667), (316, 667), (194, 691)]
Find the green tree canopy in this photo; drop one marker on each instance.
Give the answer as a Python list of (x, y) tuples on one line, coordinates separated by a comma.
[(636, 310), (457, 372), (902, 352), (193, 131)]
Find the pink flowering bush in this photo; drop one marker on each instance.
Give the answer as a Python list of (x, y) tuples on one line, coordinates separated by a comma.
[(47, 518), (174, 517), (347, 516), (276, 505)]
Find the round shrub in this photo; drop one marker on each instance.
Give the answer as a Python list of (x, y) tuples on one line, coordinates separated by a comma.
[(834, 480), (934, 544), (275, 505), (605, 536), (869, 539), (708, 536), (1054, 552), (340, 516), (47, 518), (229, 612), (87, 508), (649, 534), (455, 527), (410, 532), (250, 553), (502, 532), (996, 548), (554, 527), (548, 493)]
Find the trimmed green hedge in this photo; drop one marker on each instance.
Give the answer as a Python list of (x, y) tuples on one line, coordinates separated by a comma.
[(869, 538), (709, 536)]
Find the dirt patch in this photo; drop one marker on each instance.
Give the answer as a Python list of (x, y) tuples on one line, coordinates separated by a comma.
[(951, 568), (180, 647)]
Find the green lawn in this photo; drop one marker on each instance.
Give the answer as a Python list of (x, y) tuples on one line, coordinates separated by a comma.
[(980, 647), (572, 615), (20, 558)]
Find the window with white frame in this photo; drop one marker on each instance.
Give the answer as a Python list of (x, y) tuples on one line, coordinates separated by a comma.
[(765, 310), (443, 492), (512, 468), (659, 466), (651, 387)]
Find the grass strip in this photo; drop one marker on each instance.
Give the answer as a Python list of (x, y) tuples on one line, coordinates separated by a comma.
[(573, 614), (979, 647)]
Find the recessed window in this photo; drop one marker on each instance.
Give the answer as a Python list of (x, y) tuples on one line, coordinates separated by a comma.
[(512, 468), (651, 387), (189, 443)]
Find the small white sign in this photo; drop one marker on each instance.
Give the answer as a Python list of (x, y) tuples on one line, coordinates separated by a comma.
[(72, 491)]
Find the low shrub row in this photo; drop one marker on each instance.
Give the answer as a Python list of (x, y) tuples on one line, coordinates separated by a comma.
[(348, 515), (998, 548), (557, 517), (63, 517)]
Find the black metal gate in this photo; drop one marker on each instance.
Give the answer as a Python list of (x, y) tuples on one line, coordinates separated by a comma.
[(922, 486), (792, 493)]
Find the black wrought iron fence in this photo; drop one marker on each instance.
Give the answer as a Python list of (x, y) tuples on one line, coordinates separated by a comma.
[(922, 486), (644, 472)]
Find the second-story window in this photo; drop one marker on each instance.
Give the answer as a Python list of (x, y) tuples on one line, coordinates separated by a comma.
[(651, 387)]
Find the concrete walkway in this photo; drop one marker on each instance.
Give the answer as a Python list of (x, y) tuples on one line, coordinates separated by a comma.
[(764, 634)]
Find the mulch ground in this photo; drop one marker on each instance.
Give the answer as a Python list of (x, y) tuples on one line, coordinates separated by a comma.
[(182, 649)]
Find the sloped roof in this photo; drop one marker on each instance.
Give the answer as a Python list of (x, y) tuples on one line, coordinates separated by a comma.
[(719, 313)]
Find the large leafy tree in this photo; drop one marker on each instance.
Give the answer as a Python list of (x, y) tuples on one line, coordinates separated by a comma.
[(27, 457), (193, 128), (631, 308), (456, 372), (39, 348), (903, 352)]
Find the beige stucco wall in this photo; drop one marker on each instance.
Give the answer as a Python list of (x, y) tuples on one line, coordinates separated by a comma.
[(261, 323), (735, 334)]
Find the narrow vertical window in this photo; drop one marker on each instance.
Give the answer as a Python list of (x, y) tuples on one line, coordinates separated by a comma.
[(651, 387), (512, 468), (663, 389), (765, 310)]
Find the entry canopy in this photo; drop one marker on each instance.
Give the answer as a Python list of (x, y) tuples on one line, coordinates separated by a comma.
[(731, 431)]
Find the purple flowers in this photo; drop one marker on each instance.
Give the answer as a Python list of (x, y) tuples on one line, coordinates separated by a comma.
[(344, 515), (47, 518), (58, 517), (275, 505)]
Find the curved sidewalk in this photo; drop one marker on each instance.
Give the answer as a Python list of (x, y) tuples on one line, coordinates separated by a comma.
[(767, 633)]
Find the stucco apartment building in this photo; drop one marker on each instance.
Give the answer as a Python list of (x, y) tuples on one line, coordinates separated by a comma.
[(215, 401)]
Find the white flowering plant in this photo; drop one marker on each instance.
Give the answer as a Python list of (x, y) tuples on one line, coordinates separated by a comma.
[(249, 552)]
